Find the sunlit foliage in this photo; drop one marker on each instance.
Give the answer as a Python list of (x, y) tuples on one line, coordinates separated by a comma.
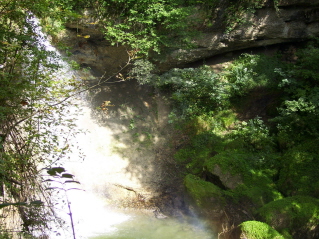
[(270, 150), (32, 114)]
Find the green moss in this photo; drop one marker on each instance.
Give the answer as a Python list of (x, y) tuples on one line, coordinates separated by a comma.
[(299, 212), (257, 186), (194, 155), (204, 193), (259, 189), (300, 170), (232, 161), (192, 158), (259, 230)]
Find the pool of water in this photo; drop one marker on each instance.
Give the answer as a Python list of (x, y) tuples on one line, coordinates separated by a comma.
[(95, 219), (145, 227)]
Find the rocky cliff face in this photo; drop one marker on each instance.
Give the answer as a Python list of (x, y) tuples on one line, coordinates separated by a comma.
[(91, 51), (291, 21)]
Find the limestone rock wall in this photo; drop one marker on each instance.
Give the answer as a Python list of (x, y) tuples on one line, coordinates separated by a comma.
[(291, 21)]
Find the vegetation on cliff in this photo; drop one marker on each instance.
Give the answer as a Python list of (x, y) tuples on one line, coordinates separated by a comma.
[(253, 131)]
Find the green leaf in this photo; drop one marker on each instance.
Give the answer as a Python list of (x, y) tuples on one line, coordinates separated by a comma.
[(67, 175), (37, 203), (54, 171)]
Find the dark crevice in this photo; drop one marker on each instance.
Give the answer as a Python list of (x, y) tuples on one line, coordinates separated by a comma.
[(209, 177)]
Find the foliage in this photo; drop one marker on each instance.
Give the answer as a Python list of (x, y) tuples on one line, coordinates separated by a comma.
[(295, 213), (305, 68), (34, 122), (299, 170), (275, 156), (143, 71), (147, 25), (238, 12), (195, 91), (254, 134), (252, 71), (259, 230), (298, 117), (150, 25)]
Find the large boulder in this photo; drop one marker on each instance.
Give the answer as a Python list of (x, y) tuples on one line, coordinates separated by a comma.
[(298, 214)]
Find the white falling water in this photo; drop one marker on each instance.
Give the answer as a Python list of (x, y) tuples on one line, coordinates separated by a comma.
[(104, 165)]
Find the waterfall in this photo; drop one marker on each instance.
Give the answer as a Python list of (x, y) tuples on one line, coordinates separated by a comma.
[(125, 151)]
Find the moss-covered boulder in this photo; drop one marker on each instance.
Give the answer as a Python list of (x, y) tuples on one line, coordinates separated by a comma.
[(258, 230), (244, 183), (230, 166), (299, 215), (208, 197)]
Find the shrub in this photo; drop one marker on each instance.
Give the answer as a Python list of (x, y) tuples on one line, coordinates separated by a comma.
[(196, 91), (299, 170), (255, 134), (251, 71)]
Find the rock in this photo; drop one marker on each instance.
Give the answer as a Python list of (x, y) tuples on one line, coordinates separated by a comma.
[(158, 214), (90, 50), (292, 21), (228, 179), (298, 214)]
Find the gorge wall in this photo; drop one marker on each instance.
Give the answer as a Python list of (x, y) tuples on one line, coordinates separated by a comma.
[(290, 21), (282, 22)]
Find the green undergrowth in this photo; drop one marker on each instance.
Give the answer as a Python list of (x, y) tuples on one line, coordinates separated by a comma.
[(253, 136), (299, 172), (299, 213)]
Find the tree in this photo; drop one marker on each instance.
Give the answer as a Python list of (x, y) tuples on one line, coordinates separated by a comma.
[(30, 117)]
